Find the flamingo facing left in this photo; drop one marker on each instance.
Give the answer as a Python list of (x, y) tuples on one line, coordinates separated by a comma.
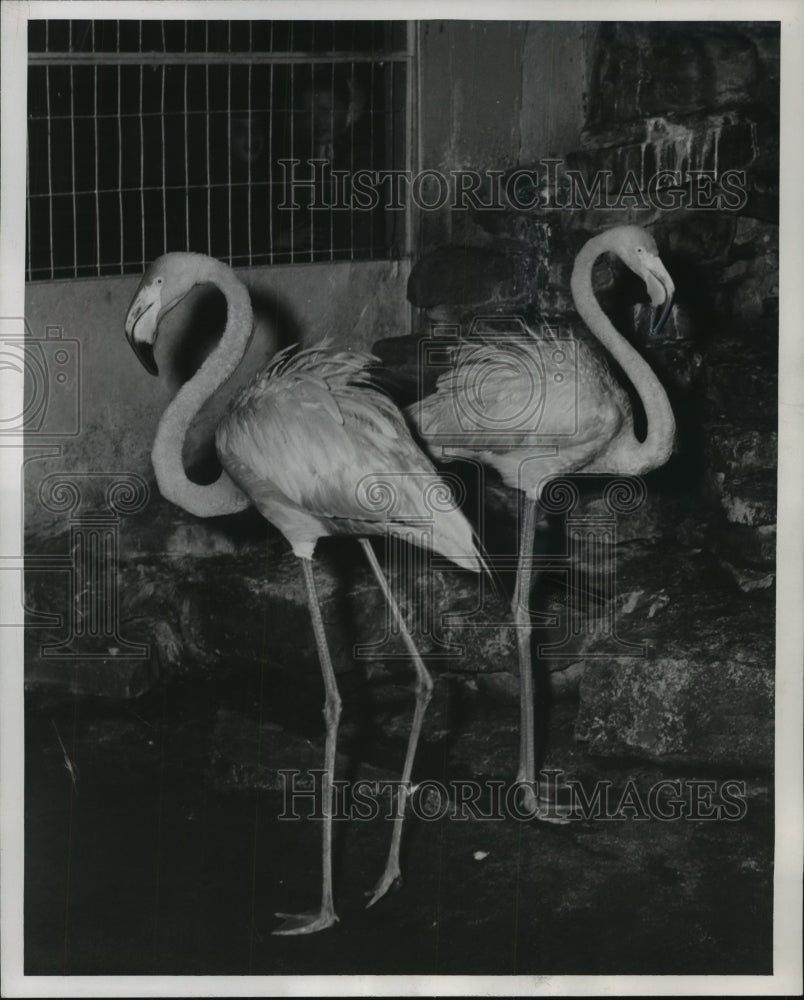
[(296, 443)]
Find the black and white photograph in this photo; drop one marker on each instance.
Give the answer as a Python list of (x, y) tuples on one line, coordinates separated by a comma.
[(402, 562)]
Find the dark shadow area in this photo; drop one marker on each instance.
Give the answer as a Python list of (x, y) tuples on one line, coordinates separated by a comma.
[(158, 859)]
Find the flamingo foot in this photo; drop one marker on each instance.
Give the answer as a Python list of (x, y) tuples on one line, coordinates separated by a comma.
[(539, 805), (306, 923), (391, 879)]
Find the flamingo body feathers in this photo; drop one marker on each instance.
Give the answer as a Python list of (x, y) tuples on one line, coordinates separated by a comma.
[(529, 407), (320, 451)]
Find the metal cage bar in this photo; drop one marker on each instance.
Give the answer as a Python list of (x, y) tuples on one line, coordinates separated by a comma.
[(133, 153)]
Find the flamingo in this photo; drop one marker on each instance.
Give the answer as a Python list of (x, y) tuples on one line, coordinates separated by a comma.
[(500, 386), (296, 443)]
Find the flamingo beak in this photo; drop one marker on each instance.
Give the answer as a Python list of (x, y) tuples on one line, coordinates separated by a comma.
[(142, 321), (661, 290)]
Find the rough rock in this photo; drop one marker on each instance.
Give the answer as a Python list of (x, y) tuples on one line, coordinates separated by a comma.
[(734, 449), (747, 498), (749, 579), (720, 712), (232, 615), (750, 546), (704, 688), (647, 69), (229, 612)]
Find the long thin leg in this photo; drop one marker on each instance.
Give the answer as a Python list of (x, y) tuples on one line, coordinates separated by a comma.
[(424, 690), (539, 806), (307, 923), (520, 607)]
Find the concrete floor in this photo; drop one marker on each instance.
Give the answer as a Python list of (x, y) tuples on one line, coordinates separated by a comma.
[(166, 856)]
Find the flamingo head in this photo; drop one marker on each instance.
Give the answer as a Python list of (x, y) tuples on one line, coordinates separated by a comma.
[(165, 283), (637, 249)]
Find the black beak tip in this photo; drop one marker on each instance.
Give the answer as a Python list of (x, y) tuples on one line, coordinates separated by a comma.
[(656, 324), (145, 353)]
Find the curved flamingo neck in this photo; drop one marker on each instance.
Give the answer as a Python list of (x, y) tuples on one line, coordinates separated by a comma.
[(626, 454), (222, 496)]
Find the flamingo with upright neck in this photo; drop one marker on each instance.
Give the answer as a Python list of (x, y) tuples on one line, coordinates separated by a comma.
[(304, 442), (517, 408)]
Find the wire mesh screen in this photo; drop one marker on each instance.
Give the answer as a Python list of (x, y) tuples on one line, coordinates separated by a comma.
[(237, 139)]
